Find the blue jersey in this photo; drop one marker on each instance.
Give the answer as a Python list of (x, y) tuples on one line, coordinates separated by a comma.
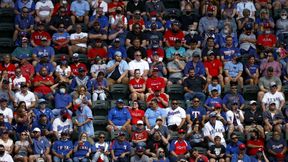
[(62, 147), (41, 51), (82, 116), (120, 147), (83, 148), (152, 115), (119, 116), (211, 101), (40, 146), (196, 112), (62, 100), (48, 112)]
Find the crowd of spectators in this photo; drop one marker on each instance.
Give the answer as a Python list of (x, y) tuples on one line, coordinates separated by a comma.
[(68, 55)]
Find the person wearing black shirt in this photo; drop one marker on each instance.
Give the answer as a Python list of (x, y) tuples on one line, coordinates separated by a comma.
[(253, 117), (136, 47), (62, 18), (157, 141)]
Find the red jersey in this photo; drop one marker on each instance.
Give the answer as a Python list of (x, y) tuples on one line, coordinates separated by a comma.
[(268, 41), (259, 142), (37, 35), (155, 83), (180, 147), (137, 84), (43, 88), (10, 68), (213, 67), (94, 52), (136, 115), (160, 52), (170, 37), (74, 68), (27, 69), (113, 5), (139, 135), (162, 95), (132, 21)]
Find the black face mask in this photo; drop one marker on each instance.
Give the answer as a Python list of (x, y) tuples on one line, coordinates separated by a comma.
[(188, 12), (2, 153), (118, 11), (64, 118), (210, 14)]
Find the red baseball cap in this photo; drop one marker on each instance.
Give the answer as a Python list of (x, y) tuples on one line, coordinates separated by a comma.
[(181, 131), (242, 146)]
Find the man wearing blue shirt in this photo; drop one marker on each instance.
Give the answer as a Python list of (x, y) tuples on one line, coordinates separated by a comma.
[(232, 147), (23, 22), (44, 125), (119, 118), (40, 146), (81, 79), (233, 70), (120, 148), (43, 50), (196, 112), (62, 149), (116, 46), (153, 113), (42, 103), (195, 64), (80, 10), (84, 120), (101, 18), (62, 100)]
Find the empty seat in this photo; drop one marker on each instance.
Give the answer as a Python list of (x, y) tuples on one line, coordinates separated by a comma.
[(119, 91), (6, 15), (100, 120), (250, 92), (6, 42), (100, 108), (175, 91), (285, 90)]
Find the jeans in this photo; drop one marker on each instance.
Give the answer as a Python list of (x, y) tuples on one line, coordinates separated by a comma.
[(78, 159), (56, 159), (189, 96), (97, 155)]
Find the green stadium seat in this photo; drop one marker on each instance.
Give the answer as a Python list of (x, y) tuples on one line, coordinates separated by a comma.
[(100, 108), (241, 136), (175, 91), (6, 42), (285, 91), (201, 150), (119, 91), (250, 92), (100, 120), (83, 58), (6, 15)]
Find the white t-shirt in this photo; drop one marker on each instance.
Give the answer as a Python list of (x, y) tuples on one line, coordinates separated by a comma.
[(248, 5), (175, 116), (60, 126), (18, 80), (7, 144), (8, 113), (63, 72), (44, 8), (230, 117), (6, 157), (79, 36), (28, 99), (218, 130), (141, 65), (103, 5), (96, 68), (276, 97)]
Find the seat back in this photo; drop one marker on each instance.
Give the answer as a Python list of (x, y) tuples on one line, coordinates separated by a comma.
[(119, 91), (175, 91)]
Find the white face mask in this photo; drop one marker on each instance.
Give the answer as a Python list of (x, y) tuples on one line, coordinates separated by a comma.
[(84, 139), (193, 32), (283, 17), (62, 90), (226, 31)]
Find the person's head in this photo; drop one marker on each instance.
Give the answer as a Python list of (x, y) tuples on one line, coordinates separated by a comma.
[(83, 136), (140, 150), (64, 135), (137, 15), (251, 60), (42, 103), (22, 104), (136, 28), (137, 73), (234, 137), (40, 26), (217, 140), (270, 71), (227, 29), (174, 104), (118, 56), (192, 73), (253, 105), (234, 105), (196, 126), (5, 84), (159, 120), (25, 12), (155, 71), (43, 119), (218, 107), (43, 72), (137, 55), (24, 41), (82, 72), (270, 57), (18, 72), (181, 133), (78, 28), (101, 137), (119, 10), (154, 103), (196, 102), (62, 11), (211, 55), (7, 59), (24, 87), (254, 134), (23, 135), (160, 153), (137, 42), (44, 41), (2, 150), (100, 75), (135, 104), (210, 10), (246, 13), (229, 41), (272, 106), (155, 57), (61, 28), (140, 125), (273, 87), (82, 89), (176, 56), (3, 102), (276, 135), (210, 42), (1, 117), (234, 88), (99, 11), (37, 132), (120, 103), (283, 14), (121, 136), (196, 56), (96, 26), (175, 26), (64, 114), (195, 152), (264, 13), (212, 118), (242, 148), (177, 43)]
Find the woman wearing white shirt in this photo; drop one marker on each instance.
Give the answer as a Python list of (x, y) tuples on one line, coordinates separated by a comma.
[(235, 118), (63, 71)]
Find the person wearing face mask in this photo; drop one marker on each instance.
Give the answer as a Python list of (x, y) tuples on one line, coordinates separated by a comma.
[(4, 156), (62, 123), (44, 10), (62, 98), (23, 23), (82, 149), (276, 147), (76, 64), (192, 34), (188, 17), (80, 10), (84, 121), (62, 149), (42, 82), (63, 71), (220, 38), (44, 125), (118, 17), (282, 26), (100, 17), (61, 39), (208, 21), (134, 5)]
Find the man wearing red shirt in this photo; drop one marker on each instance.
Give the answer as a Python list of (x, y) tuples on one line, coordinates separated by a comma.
[(42, 84), (39, 34), (136, 113), (155, 50), (162, 99), (256, 141), (213, 68), (140, 135), (76, 65), (267, 40), (97, 50), (155, 82), (137, 86), (7, 66), (179, 146), (173, 34), (27, 68)]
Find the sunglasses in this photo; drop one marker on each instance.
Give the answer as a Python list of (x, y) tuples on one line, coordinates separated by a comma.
[(25, 11), (137, 55), (196, 101), (174, 103), (101, 137), (24, 134), (234, 137)]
